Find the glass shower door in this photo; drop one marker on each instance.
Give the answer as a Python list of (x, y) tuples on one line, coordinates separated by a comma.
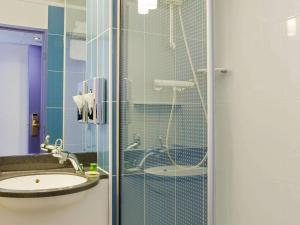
[(164, 112)]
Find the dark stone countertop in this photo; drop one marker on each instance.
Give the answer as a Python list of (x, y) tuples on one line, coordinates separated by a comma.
[(42, 162), (15, 166)]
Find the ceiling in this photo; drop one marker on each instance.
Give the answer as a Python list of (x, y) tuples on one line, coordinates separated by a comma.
[(45, 1), (56, 1), (80, 3), (70, 3)]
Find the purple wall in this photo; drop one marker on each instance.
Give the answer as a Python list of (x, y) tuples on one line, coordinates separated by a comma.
[(34, 73)]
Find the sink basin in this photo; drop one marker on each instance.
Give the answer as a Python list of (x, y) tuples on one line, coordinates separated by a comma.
[(44, 190), (41, 182)]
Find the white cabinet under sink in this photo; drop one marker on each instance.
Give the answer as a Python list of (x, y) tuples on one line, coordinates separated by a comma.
[(81, 208)]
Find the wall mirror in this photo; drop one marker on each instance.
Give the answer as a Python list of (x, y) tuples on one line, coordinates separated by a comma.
[(42, 58)]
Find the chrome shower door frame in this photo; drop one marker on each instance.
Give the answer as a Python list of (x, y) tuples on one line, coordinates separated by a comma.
[(115, 201)]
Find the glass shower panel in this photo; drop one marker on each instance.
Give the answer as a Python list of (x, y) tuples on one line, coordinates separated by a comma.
[(75, 66), (163, 118)]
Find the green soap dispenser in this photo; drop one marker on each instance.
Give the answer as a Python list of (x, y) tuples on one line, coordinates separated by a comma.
[(93, 171), (93, 167)]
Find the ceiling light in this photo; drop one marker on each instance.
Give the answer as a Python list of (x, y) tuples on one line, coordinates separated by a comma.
[(291, 27), (143, 7), (152, 4)]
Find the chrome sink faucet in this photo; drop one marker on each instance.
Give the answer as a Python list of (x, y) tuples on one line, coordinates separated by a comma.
[(143, 161), (58, 152)]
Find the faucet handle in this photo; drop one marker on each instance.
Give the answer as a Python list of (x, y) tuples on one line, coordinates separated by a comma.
[(137, 139), (160, 138), (161, 143), (47, 139), (44, 146), (59, 144)]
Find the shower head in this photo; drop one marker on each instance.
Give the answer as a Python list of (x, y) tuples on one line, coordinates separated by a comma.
[(160, 84)]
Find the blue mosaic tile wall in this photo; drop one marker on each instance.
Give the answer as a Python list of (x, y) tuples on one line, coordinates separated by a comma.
[(54, 87)]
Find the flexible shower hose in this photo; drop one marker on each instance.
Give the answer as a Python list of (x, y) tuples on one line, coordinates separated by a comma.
[(199, 164)]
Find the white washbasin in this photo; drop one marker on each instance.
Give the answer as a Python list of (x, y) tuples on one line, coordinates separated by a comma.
[(178, 171), (41, 182)]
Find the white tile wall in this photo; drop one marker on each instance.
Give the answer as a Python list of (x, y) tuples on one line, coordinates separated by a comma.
[(258, 112)]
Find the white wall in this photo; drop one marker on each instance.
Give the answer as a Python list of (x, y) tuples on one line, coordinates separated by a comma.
[(23, 13), (83, 208), (258, 113), (14, 99), (26, 13)]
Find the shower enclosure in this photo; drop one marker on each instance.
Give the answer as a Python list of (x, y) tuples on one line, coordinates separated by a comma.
[(166, 108)]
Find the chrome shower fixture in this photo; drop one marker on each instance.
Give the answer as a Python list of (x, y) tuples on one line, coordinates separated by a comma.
[(179, 85), (174, 2)]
